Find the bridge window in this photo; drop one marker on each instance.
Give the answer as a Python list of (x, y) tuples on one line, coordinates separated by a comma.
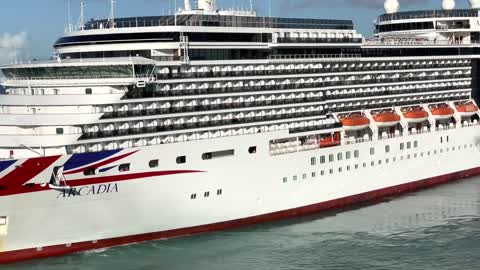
[(59, 131), (88, 91)]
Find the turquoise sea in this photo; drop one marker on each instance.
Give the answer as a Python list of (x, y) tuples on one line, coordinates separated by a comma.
[(433, 229)]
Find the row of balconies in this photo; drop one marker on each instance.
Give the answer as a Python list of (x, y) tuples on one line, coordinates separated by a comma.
[(316, 124), (157, 91), (229, 103), (245, 71), (378, 104), (125, 128), (178, 124)]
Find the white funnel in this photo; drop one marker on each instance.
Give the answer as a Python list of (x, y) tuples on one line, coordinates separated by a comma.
[(187, 5), (208, 6), (391, 6), (448, 4), (474, 3)]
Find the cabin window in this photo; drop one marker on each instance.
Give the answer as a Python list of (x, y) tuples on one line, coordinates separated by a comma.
[(294, 178), (285, 180), (3, 220), (322, 173), (372, 151), (331, 158), (90, 171), (252, 150), (59, 131), (218, 154), (124, 167), (219, 192), (206, 194), (340, 169), (181, 160), (88, 91), (409, 145), (193, 196), (339, 156), (331, 171), (415, 144), (356, 154), (313, 161), (348, 155), (322, 159), (304, 176), (356, 166), (153, 163), (402, 146), (314, 174), (387, 148)]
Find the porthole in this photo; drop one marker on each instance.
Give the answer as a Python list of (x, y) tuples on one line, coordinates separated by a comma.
[(181, 160), (90, 171), (153, 163), (124, 167)]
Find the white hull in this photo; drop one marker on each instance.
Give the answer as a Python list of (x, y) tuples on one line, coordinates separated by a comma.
[(252, 183)]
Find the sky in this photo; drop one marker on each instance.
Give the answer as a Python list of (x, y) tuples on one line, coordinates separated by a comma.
[(28, 28)]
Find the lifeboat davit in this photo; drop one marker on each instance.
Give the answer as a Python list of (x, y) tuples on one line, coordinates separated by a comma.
[(356, 122), (386, 119), (415, 116), (442, 113), (467, 109)]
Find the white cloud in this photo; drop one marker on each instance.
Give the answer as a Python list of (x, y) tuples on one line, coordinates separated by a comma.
[(11, 44)]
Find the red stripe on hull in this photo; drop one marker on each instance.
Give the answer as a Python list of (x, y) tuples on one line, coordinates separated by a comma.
[(26, 171), (92, 181), (58, 250)]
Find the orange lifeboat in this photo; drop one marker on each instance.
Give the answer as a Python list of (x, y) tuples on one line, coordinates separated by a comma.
[(415, 116), (467, 109), (442, 113), (355, 122), (386, 119), (330, 141)]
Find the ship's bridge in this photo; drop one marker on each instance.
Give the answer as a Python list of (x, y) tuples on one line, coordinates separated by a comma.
[(458, 26)]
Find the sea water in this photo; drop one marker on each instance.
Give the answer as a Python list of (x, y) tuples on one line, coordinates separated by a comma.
[(436, 229)]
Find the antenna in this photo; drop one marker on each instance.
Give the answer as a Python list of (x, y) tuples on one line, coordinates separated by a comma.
[(251, 5), (269, 8), (81, 19), (112, 13), (69, 28)]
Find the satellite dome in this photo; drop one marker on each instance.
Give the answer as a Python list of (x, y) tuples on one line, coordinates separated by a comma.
[(474, 3), (392, 6), (448, 4)]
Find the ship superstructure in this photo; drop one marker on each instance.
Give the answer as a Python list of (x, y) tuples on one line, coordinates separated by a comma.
[(152, 127)]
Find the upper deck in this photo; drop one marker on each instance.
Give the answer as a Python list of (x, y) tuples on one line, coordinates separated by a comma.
[(218, 20), (427, 14)]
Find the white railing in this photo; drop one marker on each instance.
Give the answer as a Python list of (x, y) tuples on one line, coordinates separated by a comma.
[(407, 42), (303, 57)]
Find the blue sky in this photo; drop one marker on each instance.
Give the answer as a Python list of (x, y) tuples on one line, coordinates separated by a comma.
[(35, 24)]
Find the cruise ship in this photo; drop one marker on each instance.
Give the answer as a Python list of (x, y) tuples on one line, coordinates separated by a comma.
[(146, 128)]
